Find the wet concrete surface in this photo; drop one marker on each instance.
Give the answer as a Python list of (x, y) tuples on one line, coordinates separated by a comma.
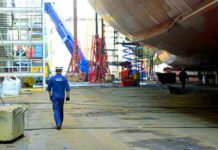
[(181, 143), (101, 118)]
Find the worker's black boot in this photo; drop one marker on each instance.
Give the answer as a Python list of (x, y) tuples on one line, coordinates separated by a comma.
[(58, 128)]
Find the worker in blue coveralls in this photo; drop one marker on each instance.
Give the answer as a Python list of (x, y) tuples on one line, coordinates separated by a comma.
[(57, 86)]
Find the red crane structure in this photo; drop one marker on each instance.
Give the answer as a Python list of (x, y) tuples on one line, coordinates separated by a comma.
[(98, 66), (74, 66), (75, 59)]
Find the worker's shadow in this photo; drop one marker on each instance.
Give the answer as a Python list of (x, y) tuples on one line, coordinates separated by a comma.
[(177, 90)]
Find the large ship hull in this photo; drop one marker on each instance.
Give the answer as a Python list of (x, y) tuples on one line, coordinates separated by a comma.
[(185, 28)]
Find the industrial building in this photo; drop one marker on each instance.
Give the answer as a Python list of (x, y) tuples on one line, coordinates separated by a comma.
[(22, 38), (142, 75)]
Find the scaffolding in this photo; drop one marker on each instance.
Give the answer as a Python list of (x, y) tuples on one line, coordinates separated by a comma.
[(22, 48), (111, 38)]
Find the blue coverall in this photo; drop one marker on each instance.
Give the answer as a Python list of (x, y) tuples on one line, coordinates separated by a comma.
[(57, 85)]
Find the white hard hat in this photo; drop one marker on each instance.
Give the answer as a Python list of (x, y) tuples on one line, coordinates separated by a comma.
[(58, 69)]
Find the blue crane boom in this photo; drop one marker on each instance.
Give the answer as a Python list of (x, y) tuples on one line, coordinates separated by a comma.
[(66, 36)]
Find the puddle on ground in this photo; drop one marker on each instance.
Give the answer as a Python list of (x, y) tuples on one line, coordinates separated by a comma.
[(141, 131), (98, 114), (181, 143), (131, 96)]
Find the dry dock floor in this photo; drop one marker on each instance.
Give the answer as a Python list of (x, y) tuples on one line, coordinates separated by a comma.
[(102, 118)]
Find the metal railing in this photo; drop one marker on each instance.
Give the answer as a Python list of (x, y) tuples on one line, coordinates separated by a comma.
[(6, 3), (21, 65), (20, 3), (25, 27), (21, 35)]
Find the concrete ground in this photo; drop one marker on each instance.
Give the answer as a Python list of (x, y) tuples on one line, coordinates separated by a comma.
[(101, 118)]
